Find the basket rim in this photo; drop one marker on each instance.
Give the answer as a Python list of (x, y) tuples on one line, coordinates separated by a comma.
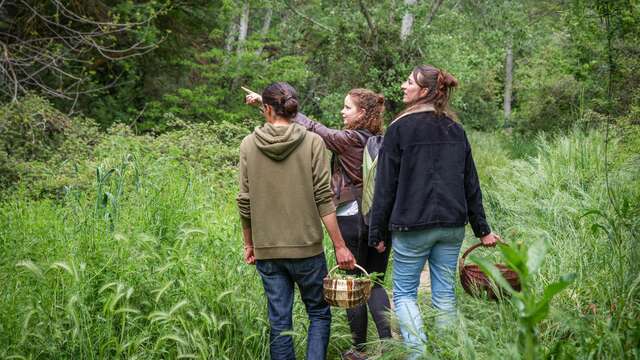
[(472, 248), (356, 265)]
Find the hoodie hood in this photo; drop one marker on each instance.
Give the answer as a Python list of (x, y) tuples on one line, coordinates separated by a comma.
[(277, 142)]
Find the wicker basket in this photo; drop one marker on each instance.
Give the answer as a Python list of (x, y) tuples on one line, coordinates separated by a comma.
[(346, 293), (475, 282)]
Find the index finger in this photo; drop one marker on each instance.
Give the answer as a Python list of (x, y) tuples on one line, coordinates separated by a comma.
[(247, 90)]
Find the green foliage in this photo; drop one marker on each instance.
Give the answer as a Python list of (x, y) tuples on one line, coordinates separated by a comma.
[(32, 129), (477, 106), (546, 197), (219, 98), (46, 153), (554, 107), (33, 133), (532, 308), (565, 56), (140, 255)]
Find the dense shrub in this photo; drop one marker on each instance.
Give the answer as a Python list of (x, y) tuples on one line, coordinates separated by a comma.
[(33, 132), (146, 261), (478, 106), (555, 106), (44, 152)]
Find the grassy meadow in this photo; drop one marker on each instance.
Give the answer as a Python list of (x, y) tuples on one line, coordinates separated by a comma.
[(138, 254)]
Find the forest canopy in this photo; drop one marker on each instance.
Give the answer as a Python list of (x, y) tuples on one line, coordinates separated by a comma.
[(530, 65)]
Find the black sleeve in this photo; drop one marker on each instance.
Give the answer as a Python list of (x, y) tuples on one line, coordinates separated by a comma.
[(475, 210), (384, 195)]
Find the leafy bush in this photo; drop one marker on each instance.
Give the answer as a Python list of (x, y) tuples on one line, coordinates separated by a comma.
[(33, 132), (478, 105), (553, 107), (216, 95), (46, 153)]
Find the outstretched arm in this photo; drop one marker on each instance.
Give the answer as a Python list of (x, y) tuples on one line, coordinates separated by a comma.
[(338, 141), (335, 140)]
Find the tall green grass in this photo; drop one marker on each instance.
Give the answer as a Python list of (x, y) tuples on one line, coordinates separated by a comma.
[(146, 261)]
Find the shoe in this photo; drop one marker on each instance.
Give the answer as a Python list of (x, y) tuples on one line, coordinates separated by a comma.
[(353, 354)]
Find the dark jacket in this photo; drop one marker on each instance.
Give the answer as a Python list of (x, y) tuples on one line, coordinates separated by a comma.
[(347, 145), (426, 178)]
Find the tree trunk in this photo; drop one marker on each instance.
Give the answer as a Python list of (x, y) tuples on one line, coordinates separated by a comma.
[(508, 81), (407, 20), (231, 36), (244, 26), (365, 12), (266, 25)]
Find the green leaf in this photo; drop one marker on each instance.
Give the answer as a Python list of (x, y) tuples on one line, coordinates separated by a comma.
[(492, 271), (541, 308), (535, 255), (514, 259), (539, 313), (592, 212), (596, 227)]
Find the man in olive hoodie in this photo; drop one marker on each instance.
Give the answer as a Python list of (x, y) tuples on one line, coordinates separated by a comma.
[(285, 193)]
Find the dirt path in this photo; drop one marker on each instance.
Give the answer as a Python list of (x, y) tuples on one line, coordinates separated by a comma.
[(425, 283), (425, 280)]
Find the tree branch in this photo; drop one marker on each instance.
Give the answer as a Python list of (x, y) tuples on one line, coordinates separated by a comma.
[(370, 23), (297, 12), (55, 58), (434, 10)]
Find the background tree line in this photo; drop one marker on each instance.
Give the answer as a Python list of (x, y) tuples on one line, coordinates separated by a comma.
[(534, 65)]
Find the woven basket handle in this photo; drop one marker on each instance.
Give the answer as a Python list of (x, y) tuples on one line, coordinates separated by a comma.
[(358, 266), (469, 250)]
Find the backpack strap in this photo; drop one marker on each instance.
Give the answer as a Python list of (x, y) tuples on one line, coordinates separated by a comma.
[(364, 135), (374, 144)]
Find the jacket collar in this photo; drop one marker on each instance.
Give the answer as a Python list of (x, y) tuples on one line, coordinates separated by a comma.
[(416, 109)]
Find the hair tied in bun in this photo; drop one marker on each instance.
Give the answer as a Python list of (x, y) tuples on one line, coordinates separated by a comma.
[(282, 97)]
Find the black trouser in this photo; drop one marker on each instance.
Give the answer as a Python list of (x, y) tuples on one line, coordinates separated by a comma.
[(355, 234)]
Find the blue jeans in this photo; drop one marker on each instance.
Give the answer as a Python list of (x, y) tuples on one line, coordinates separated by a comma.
[(279, 277), (411, 250)]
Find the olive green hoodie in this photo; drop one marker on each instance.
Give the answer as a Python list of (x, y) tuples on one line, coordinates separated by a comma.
[(285, 189)]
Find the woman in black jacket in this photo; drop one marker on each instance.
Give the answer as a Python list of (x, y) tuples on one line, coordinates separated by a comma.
[(426, 190)]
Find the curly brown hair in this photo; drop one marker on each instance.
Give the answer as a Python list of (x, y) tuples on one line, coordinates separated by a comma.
[(373, 106)]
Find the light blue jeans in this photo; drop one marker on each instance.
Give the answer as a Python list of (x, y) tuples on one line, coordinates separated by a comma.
[(411, 249)]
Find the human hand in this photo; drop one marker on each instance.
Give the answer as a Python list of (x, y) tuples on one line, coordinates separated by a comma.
[(249, 257), (490, 240), (252, 98), (345, 259), (380, 247)]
